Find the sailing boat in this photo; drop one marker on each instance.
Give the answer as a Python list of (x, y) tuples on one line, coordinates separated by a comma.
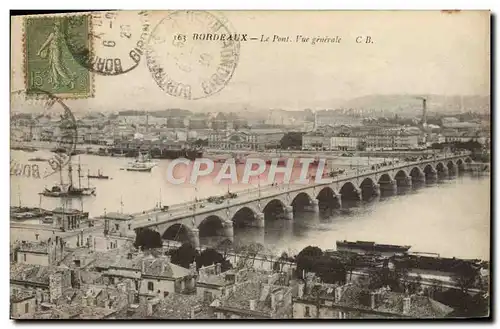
[(69, 190)]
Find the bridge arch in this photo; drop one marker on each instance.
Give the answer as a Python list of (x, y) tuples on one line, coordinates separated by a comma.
[(349, 191), (327, 198), (387, 184), (452, 166), (430, 172), (417, 175), (146, 235), (179, 232), (384, 178), (441, 169), (244, 217), (402, 178), (300, 201), (460, 165), (274, 209), (369, 188), (211, 226)]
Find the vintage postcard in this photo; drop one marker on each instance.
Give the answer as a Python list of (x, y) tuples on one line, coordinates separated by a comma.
[(250, 165)]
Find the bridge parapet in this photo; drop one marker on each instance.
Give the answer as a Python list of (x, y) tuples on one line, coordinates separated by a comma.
[(287, 193)]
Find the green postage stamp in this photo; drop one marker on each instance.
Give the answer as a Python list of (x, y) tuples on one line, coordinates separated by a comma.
[(49, 64)]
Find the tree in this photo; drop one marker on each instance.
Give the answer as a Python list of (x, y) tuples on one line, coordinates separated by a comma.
[(148, 239), (210, 256), (248, 253), (384, 276), (466, 276), (184, 256), (306, 259), (330, 270), (414, 285), (225, 246), (200, 142), (350, 264), (292, 140)]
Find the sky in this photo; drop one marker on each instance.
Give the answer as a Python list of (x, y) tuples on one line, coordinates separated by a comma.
[(419, 52)]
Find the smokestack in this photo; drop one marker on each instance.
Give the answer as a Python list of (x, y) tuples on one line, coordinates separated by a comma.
[(424, 111)]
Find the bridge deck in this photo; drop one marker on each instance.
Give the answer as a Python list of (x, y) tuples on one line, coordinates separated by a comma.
[(188, 209)]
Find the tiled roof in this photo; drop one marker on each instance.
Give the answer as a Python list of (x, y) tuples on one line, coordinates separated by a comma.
[(256, 290), (179, 306), (90, 258), (66, 211), (32, 273), (39, 247), (94, 313), (122, 261), (392, 302), (215, 280), (119, 216), (162, 267), (21, 296), (173, 306)]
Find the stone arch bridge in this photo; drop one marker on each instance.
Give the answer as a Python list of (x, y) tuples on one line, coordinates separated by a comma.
[(194, 221)]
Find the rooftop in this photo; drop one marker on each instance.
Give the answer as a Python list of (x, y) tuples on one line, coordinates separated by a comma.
[(162, 267), (32, 273), (36, 247), (67, 211), (385, 301), (173, 306), (21, 296), (257, 290), (118, 216)]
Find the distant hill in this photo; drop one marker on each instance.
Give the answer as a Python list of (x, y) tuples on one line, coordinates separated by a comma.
[(410, 104), (160, 114)]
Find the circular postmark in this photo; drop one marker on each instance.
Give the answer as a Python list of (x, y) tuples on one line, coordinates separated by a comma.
[(36, 121), (107, 43), (192, 54)]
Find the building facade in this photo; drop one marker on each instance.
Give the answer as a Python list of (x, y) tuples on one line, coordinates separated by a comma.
[(255, 140)]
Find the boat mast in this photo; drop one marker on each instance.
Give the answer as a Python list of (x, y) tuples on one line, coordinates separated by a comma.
[(19, 194), (79, 174), (70, 173), (160, 199)]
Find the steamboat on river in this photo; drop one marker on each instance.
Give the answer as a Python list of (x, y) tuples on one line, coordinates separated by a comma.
[(156, 149)]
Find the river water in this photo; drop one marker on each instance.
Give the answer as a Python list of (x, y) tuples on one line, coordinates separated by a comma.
[(451, 218)]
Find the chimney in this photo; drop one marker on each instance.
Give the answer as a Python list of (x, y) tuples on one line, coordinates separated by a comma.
[(373, 300), (217, 268), (143, 266), (273, 302), (252, 304), (149, 311), (338, 293), (270, 279), (130, 296), (300, 292), (406, 305), (150, 305), (192, 268)]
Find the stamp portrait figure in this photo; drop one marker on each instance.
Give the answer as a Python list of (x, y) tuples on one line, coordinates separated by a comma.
[(51, 50), (48, 63)]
